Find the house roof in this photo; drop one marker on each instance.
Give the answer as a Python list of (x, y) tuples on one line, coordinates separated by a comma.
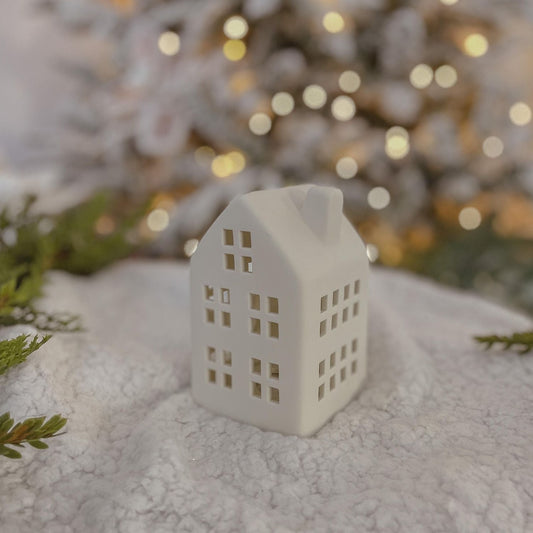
[(281, 213)]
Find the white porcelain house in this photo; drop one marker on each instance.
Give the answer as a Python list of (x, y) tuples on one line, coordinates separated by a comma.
[(279, 310)]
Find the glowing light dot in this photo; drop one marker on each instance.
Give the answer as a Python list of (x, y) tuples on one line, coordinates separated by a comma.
[(190, 247), (446, 76), (343, 108), (449, 2), (234, 50), (238, 161), (158, 220), (333, 22), (469, 218), (397, 142), (169, 43), (282, 103), (346, 167), (314, 96), (260, 123), (221, 166), (421, 76), (476, 45), (520, 114), (372, 252), (378, 198), (493, 147), (235, 27), (349, 81), (204, 155)]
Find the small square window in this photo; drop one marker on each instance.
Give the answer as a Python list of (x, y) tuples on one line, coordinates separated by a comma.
[(356, 287), (209, 293), (255, 326), (255, 301), (354, 345), (332, 382), (345, 313), (256, 366), (228, 237), (332, 360), (343, 353), (274, 371), (226, 319), (346, 292), (256, 389), (343, 373), (211, 376), (354, 367), (321, 368), (355, 308), (273, 330), (321, 392), (335, 299), (246, 239), (229, 261), (210, 316), (322, 328), (334, 321), (273, 305), (274, 395), (226, 357), (211, 354), (323, 303), (247, 264), (224, 296), (227, 381)]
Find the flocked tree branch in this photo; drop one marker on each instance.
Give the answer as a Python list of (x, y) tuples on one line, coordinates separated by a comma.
[(522, 342)]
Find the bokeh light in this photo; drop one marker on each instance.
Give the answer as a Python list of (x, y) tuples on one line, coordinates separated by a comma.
[(234, 49), (421, 76), (190, 247), (493, 147), (469, 218), (157, 220), (372, 252), (378, 198), (476, 45), (203, 155), (397, 142), (333, 22), (446, 76), (449, 2), (520, 114), (282, 103), (260, 123), (349, 81), (343, 108), (346, 167), (235, 27), (314, 96), (238, 161), (169, 43)]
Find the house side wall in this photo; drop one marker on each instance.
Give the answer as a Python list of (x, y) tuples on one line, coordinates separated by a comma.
[(264, 387), (335, 350)]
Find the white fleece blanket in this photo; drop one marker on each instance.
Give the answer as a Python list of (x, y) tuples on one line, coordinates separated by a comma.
[(440, 439)]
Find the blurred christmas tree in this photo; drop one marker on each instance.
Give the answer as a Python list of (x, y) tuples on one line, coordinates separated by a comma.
[(419, 111)]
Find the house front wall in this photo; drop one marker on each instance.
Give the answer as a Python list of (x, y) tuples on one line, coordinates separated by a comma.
[(245, 341)]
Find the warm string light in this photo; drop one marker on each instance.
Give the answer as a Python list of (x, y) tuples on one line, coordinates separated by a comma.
[(314, 96), (204, 155), (493, 147), (234, 49), (520, 114), (282, 103), (445, 76), (260, 123), (158, 220), (346, 167), (397, 142), (449, 2), (349, 81), (469, 218), (333, 22), (378, 198), (235, 27), (343, 108), (225, 165), (475, 45), (421, 76), (169, 43)]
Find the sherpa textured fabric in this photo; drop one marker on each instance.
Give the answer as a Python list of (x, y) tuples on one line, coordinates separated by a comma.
[(440, 439)]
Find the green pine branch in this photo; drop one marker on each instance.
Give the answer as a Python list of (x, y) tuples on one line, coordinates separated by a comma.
[(30, 431), (17, 350), (522, 342)]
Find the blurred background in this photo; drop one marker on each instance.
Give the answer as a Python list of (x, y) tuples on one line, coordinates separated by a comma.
[(420, 111)]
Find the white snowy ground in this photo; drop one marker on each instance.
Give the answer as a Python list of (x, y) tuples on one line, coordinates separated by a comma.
[(440, 439)]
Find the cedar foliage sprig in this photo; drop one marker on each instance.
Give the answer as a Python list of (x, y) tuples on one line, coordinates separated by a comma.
[(522, 341), (30, 431), (15, 351)]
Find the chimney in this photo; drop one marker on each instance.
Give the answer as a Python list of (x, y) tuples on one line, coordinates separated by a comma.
[(322, 211)]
